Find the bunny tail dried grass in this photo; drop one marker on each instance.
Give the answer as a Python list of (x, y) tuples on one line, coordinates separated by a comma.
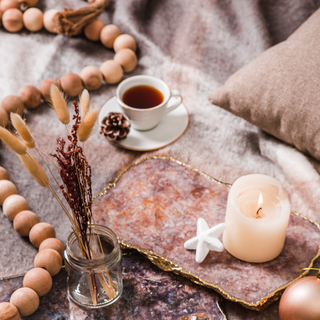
[(12, 141), (84, 102), (59, 104), (23, 130), (87, 124), (29, 163), (42, 176)]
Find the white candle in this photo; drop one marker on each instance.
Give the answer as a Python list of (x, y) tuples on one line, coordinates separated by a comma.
[(253, 234)]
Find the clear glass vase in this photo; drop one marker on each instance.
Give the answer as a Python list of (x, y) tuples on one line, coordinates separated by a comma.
[(94, 283)]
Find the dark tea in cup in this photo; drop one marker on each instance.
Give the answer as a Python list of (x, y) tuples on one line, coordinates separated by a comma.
[(145, 100), (142, 97)]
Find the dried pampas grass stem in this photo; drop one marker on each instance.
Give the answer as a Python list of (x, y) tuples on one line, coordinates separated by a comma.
[(29, 163), (87, 124), (12, 141), (59, 104), (23, 130), (84, 103)]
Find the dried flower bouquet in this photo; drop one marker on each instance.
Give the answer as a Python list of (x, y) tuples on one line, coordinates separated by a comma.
[(75, 173)]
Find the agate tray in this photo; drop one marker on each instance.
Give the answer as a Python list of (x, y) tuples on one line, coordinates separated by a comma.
[(153, 207)]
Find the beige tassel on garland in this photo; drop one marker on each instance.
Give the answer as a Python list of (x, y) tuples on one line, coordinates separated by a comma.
[(71, 21)]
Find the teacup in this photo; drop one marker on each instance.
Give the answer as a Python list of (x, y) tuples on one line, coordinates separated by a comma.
[(147, 118)]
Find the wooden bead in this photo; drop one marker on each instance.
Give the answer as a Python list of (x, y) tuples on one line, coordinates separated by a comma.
[(39, 280), (111, 71), (33, 19), (30, 96), (127, 59), (40, 232), (12, 20), (71, 84), (93, 29), (50, 260), (8, 4), (91, 77), (7, 188), (108, 34), (4, 118), (53, 243), (124, 41), (24, 221), (8, 311), (44, 88), (13, 204), (48, 20), (26, 300), (4, 175), (12, 104), (29, 3)]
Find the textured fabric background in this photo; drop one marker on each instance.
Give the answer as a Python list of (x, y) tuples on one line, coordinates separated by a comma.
[(192, 45)]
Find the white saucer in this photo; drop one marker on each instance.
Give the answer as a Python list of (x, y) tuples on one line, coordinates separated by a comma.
[(171, 128)]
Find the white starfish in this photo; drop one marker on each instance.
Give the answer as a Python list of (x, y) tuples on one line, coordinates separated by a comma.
[(206, 239)]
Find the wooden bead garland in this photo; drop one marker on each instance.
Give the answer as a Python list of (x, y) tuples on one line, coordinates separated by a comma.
[(53, 243), (12, 104), (40, 232), (37, 281), (8, 4), (24, 221), (48, 20), (91, 77), (50, 260), (7, 188), (8, 311), (26, 300), (13, 204), (71, 84), (44, 88), (108, 35), (111, 71), (92, 30), (30, 96), (12, 20), (33, 19), (4, 174), (50, 256), (124, 41), (127, 59)]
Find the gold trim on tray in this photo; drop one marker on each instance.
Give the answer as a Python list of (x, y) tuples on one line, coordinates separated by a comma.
[(168, 265)]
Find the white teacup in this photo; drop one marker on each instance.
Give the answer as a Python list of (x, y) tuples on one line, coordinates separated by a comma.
[(146, 119)]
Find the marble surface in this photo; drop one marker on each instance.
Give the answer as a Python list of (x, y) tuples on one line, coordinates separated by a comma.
[(147, 294), (155, 205)]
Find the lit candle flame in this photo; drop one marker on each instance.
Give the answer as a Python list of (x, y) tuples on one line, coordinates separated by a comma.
[(260, 203)]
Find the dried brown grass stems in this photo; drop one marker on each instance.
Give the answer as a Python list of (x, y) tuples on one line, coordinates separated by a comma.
[(75, 173)]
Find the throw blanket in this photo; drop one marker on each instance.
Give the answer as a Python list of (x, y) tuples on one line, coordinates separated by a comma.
[(192, 45)]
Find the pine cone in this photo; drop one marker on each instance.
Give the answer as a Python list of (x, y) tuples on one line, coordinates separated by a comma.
[(115, 126)]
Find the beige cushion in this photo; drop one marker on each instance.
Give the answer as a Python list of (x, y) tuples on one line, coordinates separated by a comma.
[(280, 90)]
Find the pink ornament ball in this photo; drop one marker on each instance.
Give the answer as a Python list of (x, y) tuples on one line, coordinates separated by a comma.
[(301, 300)]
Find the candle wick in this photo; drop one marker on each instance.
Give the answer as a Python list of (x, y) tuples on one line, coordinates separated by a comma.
[(257, 213)]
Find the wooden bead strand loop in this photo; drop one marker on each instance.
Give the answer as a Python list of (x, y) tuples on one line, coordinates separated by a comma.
[(69, 22), (37, 282)]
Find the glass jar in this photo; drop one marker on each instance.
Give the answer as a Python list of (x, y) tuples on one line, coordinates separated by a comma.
[(94, 283)]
